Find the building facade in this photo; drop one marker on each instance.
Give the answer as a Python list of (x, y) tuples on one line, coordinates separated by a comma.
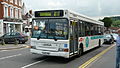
[(10, 16)]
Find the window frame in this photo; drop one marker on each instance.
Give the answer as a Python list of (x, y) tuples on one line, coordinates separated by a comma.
[(5, 11)]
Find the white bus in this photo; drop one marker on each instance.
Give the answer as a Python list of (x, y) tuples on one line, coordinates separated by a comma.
[(64, 33)]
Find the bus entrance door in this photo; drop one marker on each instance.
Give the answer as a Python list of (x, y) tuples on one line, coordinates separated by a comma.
[(73, 37)]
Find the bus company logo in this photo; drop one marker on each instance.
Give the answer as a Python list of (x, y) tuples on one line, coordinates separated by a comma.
[(87, 41)]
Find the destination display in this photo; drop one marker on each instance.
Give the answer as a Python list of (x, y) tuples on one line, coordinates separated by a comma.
[(52, 13)]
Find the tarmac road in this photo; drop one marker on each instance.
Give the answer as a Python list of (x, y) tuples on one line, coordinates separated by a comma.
[(22, 58)]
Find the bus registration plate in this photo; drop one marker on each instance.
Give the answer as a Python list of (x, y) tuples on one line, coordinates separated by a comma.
[(45, 53)]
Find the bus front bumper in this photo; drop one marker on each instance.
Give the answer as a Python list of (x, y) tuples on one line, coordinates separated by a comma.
[(50, 53)]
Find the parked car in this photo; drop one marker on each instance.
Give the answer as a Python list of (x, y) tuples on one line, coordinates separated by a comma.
[(14, 36), (115, 36), (108, 38)]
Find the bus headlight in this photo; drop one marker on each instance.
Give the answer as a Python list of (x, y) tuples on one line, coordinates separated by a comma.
[(33, 47)]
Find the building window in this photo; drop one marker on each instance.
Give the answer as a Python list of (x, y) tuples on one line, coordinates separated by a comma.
[(11, 1), (5, 11), (11, 12), (20, 2), (5, 0), (16, 13), (20, 13), (16, 1)]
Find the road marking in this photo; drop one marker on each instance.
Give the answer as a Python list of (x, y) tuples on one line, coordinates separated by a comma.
[(32, 64), (10, 56), (15, 49), (3, 50), (95, 57), (12, 50)]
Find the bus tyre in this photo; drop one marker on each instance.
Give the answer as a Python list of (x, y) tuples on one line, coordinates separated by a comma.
[(112, 41), (99, 43)]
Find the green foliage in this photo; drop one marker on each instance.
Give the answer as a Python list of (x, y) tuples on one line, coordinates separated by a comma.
[(116, 23), (115, 18), (107, 22)]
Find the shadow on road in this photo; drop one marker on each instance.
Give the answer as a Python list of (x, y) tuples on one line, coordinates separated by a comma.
[(61, 60)]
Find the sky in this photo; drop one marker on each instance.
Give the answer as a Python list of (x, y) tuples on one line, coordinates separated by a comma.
[(92, 8)]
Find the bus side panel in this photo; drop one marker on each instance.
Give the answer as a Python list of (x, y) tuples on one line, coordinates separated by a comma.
[(90, 42)]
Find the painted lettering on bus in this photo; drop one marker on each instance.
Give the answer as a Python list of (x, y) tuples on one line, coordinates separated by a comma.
[(96, 37)]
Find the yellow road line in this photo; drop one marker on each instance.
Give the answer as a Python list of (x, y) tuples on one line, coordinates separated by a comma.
[(95, 57)]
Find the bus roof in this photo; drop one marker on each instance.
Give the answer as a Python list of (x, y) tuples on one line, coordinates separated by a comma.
[(83, 17), (72, 14)]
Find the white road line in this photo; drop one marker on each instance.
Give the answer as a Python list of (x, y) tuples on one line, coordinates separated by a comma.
[(32, 64), (3, 50), (10, 56), (12, 50)]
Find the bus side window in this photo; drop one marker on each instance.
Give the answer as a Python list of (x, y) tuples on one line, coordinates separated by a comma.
[(70, 28), (87, 29), (81, 29), (92, 30)]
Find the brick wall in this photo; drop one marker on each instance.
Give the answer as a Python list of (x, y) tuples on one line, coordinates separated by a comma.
[(10, 2), (1, 10)]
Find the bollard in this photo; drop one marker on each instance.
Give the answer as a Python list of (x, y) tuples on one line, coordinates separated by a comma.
[(16, 41), (3, 42)]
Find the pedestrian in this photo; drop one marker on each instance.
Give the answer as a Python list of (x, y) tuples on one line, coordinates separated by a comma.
[(118, 50)]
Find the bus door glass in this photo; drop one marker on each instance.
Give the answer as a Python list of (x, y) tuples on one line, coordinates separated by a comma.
[(73, 37)]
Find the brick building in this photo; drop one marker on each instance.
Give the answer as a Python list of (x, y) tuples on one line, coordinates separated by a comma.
[(10, 16)]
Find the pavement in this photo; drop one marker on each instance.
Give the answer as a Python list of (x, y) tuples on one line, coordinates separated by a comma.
[(107, 60), (13, 46)]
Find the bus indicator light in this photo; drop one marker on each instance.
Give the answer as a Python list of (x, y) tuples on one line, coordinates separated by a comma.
[(65, 45), (66, 50)]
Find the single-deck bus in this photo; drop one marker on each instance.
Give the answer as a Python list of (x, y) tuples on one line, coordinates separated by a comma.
[(64, 33)]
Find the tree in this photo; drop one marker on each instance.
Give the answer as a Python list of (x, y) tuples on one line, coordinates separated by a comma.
[(116, 23), (107, 22)]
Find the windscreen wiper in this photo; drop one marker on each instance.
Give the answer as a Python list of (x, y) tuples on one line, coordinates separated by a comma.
[(55, 38), (38, 37)]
